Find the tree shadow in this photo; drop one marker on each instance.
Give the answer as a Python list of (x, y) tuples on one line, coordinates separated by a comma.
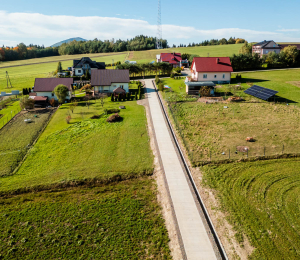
[(247, 80)]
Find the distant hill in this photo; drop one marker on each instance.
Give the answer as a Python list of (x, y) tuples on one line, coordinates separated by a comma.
[(78, 39)]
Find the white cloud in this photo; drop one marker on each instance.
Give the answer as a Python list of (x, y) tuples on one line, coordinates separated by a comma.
[(288, 30), (47, 29)]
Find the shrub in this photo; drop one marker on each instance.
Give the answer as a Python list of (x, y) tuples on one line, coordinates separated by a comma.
[(177, 70), (68, 119), (52, 102), (161, 87), (112, 111), (112, 98), (119, 97), (114, 118), (172, 75), (135, 96), (26, 102), (157, 80)]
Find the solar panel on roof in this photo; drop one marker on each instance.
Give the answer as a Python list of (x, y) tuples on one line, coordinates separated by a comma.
[(260, 92)]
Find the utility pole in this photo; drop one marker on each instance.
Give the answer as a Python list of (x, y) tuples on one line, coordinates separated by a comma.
[(159, 28), (8, 80)]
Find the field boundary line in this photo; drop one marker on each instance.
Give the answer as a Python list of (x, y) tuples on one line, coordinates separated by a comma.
[(185, 164), (28, 64), (34, 142)]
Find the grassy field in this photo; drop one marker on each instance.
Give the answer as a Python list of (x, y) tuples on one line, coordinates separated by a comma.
[(211, 129), (116, 221), (24, 76), (87, 148), (15, 137), (261, 200), (202, 51), (8, 112), (93, 56)]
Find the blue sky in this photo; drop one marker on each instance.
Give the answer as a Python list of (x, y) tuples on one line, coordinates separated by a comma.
[(46, 22)]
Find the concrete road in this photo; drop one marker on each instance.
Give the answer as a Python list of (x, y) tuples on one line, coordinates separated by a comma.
[(193, 233)]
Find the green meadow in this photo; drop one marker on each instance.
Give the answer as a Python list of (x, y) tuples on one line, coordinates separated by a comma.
[(114, 221)]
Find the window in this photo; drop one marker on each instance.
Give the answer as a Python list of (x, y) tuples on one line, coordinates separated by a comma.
[(79, 71), (121, 86), (223, 76), (52, 94), (274, 45), (215, 76), (205, 76)]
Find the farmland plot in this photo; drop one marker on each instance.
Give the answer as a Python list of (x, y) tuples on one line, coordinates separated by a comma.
[(16, 137)]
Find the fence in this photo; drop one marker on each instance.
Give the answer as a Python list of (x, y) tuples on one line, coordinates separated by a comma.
[(217, 155), (4, 119)]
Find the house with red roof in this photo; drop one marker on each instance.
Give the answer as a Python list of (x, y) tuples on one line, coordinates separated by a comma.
[(207, 72), (171, 58), (217, 70)]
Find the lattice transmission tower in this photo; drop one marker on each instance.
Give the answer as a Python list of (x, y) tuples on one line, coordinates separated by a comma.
[(159, 28)]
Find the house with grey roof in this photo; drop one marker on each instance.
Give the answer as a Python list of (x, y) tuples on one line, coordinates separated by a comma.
[(106, 81), (44, 87), (81, 66), (265, 47)]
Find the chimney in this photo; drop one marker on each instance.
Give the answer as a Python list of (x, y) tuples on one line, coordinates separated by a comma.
[(217, 60)]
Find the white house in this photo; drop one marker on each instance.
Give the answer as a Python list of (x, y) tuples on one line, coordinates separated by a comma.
[(44, 87), (106, 81), (265, 47), (81, 66), (217, 70), (208, 72)]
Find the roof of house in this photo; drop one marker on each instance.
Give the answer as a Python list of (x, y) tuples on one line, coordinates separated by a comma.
[(200, 84), (87, 60), (107, 77), (119, 90), (39, 98), (171, 57), (49, 84), (264, 43), (212, 64), (282, 46)]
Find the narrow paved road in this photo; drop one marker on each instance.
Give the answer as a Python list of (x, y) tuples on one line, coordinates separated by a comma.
[(193, 233)]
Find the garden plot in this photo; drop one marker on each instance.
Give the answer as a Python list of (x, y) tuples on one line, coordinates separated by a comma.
[(87, 149), (215, 131), (17, 136)]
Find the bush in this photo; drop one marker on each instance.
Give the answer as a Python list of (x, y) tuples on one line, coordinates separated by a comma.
[(112, 98), (172, 75), (135, 95), (68, 119), (157, 80), (177, 70), (161, 87), (112, 111), (114, 118)]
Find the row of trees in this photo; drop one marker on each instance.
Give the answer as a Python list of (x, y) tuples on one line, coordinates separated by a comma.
[(223, 41), (147, 69), (22, 51), (137, 43), (288, 57)]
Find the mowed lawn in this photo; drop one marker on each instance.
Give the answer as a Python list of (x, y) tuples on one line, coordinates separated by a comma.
[(24, 76), (202, 51), (286, 82), (87, 148), (261, 201), (8, 112), (115, 221)]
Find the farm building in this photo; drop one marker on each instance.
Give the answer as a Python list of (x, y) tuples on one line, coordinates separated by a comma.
[(265, 47), (81, 66), (44, 87), (106, 81), (171, 58)]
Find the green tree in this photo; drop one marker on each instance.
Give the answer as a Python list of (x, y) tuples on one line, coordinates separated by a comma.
[(112, 97), (26, 102), (59, 67), (246, 48), (22, 50), (61, 91), (290, 54)]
